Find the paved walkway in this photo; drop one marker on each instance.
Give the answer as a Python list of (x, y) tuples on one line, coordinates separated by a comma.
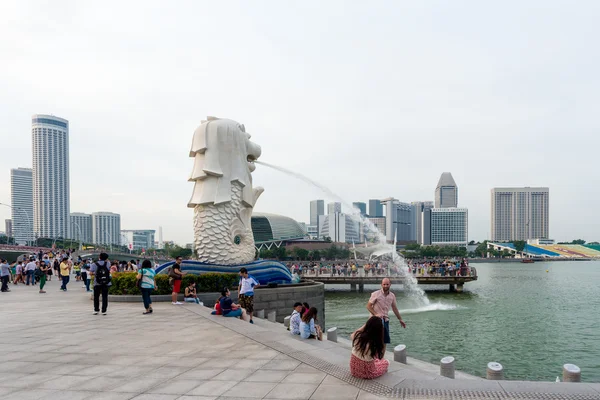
[(52, 347)]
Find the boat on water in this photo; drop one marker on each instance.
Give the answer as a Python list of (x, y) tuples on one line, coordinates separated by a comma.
[(527, 261)]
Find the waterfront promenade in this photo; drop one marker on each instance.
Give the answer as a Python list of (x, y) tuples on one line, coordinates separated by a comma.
[(54, 348)]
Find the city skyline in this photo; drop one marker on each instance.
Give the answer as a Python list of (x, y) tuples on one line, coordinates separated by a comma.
[(386, 124)]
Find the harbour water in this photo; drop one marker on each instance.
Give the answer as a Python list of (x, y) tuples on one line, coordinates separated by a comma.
[(529, 320)]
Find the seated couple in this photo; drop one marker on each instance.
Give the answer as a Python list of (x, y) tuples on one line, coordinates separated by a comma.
[(226, 307), (304, 324)]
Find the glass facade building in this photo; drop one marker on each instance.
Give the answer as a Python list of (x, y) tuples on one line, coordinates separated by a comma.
[(449, 226), (270, 227), (21, 197), (520, 213)]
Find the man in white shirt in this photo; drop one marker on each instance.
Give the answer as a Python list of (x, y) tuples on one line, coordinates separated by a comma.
[(246, 291), (30, 270), (295, 319)]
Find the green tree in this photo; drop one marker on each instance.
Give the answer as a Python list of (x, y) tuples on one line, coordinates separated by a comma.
[(300, 254), (412, 246), (344, 253), (266, 254), (519, 246), (578, 241), (280, 253), (315, 255), (430, 251), (178, 251), (481, 249)]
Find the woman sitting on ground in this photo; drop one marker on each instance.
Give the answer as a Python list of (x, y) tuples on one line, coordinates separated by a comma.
[(190, 295), (368, 349), (308, 329), (229, 308)]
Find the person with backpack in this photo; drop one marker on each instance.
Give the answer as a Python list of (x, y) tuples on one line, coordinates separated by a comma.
[(101, 272)]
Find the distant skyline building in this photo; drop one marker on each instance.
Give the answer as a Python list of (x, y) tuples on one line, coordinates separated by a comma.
[(82, 227), (8, 227), (341, 228), (140, 238), (421, 226), (375, 208), (161, 244), (379, 223), (21, 198), (398, 220), (449, 226), (51, 188), (361, 206), (520, 213), (317, 207), (106, 228), (335, 207), (446, 192)]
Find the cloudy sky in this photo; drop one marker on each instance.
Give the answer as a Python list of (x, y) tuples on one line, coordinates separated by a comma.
[(371, 99)]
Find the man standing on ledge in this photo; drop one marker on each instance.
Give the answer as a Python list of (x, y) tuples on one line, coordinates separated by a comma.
[(246, 291), (379, 305)]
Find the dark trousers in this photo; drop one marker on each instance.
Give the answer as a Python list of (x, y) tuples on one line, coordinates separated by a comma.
[(31, 277), (146, 297), (65, 281), (5, 283), (100, 289)]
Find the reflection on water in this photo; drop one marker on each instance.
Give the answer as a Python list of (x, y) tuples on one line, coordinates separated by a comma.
[(529, 320)]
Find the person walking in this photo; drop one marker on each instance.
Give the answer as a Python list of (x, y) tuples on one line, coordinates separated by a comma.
[(19, 273), (43, 271), (368, 349), (5, 275), (65, 272), (30, 270), (147, 277), (177, 276), (246, 291), (102, 281), (379, 306)]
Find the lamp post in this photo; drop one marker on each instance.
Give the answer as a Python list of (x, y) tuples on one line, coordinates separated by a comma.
[(28, 220)]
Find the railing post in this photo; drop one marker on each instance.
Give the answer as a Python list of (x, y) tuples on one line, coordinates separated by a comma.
[(447, 367), (400, 353), (260, 314), (332, 334), (571, 373), (272, 316), (494, 371)]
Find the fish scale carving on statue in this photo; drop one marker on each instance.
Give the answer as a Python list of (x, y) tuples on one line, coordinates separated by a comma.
[(223, 195)]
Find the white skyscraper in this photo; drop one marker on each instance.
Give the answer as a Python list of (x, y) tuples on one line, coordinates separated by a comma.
[(21, 185), (333, 208), (421, 225), (520, 213), (446, 192), (106, 228), (81, 228), (51, 201), (340, 228), (449, 226), (140, 239)]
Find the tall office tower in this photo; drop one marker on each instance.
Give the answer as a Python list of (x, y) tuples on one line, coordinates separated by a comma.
[(317, 207), (106, 228), (161, 244), (51, 196), (449, 226), (421, 226), (398, 220), (333, 208), (81, 227), (375, 208), (520, 213), (341, 228), (446, 192), (361, 206), (21, 185), (8, 227), (141, 239)]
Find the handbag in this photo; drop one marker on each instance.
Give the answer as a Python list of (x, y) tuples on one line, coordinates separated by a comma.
[(172, 274)]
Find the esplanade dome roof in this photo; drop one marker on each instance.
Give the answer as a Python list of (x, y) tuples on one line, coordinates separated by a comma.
[(268, 227)]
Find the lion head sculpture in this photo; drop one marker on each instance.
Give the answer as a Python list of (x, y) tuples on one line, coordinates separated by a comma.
[(223, 153)]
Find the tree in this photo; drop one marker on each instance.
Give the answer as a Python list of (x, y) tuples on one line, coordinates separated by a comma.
[(280, 253), (481, 249), (327, 239), (578, 241), (315, 255), (300, 254), (519, 246), (412, 246), (266, 254), (472, 242), (178, 251)]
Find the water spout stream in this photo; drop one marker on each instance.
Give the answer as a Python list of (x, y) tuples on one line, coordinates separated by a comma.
[(410, 282)]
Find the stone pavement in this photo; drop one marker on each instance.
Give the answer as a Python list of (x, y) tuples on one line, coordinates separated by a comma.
[(52, 347)]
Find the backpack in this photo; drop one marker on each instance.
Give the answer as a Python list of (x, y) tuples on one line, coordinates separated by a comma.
[(102, 274)]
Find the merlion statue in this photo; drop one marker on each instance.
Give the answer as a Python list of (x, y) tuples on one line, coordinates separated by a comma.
[(223, 195)]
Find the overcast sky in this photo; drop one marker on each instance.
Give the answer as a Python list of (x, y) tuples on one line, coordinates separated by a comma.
[(372, 99)]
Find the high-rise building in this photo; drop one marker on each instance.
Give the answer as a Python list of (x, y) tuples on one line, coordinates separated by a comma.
[(361, 206), (339, 227), (317, 207), (8, 227), (161, 244), (421, 226), (371, 234), (22, 215), (51, 196), (82, 227), (446, 192), (375, 208), (520, 213), (106, 228), (449, 226), (398, 220), (141, 239), (335, 207)]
